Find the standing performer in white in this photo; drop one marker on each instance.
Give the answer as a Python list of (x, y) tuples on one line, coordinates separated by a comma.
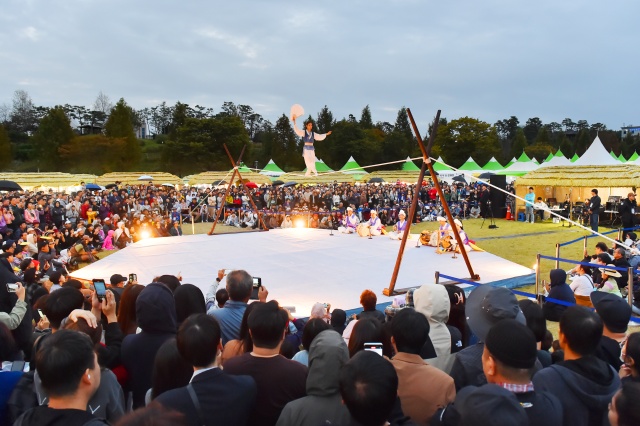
[(309, 136)]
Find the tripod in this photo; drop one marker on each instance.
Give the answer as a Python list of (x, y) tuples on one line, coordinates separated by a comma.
[(489, 212)]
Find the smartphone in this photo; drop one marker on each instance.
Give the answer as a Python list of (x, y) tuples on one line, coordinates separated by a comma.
[(100, 287), (42, 315), (257, 283), (133, 277), (374, 347), (12, 288)]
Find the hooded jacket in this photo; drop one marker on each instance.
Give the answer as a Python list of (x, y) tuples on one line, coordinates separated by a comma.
[(45, 416), (559, 290), (432, 300), (156, 315), (584, 387), (323, 403)]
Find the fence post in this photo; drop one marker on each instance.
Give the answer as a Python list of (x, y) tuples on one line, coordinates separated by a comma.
[(557, 255), (537, 276), (437, 277), (620, 234), (630, 286), (584, 245)]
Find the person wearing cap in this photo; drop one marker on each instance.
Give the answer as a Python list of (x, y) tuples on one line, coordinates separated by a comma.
[(615, 313), (486, 306), (400, 227), (627, 210), (349, 223), (583, 383), (117, 283), (309, 137), (508, 360), (557, 288), (608, 283)]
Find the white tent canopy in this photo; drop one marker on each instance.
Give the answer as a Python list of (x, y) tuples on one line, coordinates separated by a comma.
[(596, 155)]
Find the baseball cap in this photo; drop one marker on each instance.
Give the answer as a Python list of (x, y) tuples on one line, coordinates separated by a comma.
[(614, 310), (7, 244), (487, 305), (489, 405), (116, 279)]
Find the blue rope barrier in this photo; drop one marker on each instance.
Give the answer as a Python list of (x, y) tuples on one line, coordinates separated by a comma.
[(521, 293), (592, 265)]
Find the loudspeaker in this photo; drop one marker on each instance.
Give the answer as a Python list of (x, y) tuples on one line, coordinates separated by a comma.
[(498, 198)]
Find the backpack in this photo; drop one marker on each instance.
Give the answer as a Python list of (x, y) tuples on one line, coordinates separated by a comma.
[(23, 398)]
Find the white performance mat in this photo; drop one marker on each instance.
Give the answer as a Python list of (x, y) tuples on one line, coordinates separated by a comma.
[(301, 266)]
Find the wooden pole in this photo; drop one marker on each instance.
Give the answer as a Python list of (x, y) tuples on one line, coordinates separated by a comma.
[(253, 204), (426, 164), (226, 192)]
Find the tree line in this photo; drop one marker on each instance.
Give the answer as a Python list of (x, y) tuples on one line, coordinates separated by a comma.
[(184, 139)]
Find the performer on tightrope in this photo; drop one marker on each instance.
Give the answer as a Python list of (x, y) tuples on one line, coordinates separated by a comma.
[(308, 137)]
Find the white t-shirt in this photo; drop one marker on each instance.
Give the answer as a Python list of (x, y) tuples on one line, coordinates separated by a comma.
[(582, 285)]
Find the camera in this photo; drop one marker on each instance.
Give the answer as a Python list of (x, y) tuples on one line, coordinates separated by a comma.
[(257, 283), (12, 288)]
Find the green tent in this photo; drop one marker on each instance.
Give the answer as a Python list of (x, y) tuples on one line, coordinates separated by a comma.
[(559, 153), (613, 155), (513, 160), (243, 169), (352, 167), (574, 158), (524, 158), (470, 166), (272, 169), (409, 166), (320, 167), (621, 158), (633, 157), (493, 165), (439, 165), (549, 158)]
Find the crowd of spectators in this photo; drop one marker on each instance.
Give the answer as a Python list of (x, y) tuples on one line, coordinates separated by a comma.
[(165, 353)]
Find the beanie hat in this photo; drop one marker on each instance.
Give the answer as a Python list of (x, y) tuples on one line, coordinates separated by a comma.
[(614, 310), (512, 343)]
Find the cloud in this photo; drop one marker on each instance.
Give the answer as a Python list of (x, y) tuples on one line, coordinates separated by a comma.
[(241, 44), (31, 33)]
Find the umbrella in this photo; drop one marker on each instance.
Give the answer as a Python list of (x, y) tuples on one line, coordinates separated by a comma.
[(376, 180), (251, 185), (288, 184), (459, 178), (9, 185), (170, 185), (277, 182), (218, 182), (93, 187), (486, 175), (111, 185), (145, 177)]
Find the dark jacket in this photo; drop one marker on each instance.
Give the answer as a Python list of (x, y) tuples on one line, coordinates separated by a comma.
[(156, 314), (559, 290), (45, 416), (224, 399), (627, 212), (584, 387)]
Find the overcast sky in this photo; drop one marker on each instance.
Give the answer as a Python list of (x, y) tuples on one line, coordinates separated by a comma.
[(486, 59)]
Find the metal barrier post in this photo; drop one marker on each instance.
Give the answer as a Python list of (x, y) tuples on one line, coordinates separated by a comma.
[(557, 256), (630, 286), (437, 277), (619, 234), (585, 245), (537, 276)]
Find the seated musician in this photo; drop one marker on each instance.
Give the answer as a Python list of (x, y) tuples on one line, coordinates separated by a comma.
[(374, 224), (400, 227), (444, 230), (463, 236), (539, 206), (349, 223)]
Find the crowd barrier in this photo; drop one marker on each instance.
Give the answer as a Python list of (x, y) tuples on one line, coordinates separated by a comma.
[(456, 280), (584, 239)]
